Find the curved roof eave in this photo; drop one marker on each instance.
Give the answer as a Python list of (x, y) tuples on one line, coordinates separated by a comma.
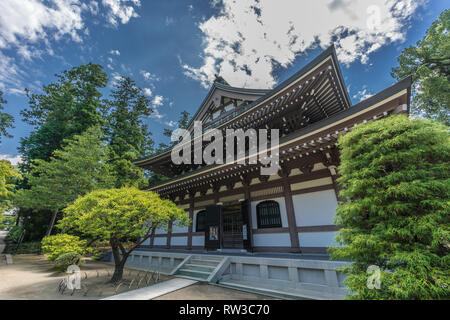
[(330, 51)]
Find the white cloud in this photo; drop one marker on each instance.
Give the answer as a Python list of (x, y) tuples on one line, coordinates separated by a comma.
[(158, 101), (27, 24), (149, 76), (362, 95), (30, 21), (147, 91), (169, 21), (170, 123), (120, 10), (247, 37), (115, 78), (115, 52), (15, 160)]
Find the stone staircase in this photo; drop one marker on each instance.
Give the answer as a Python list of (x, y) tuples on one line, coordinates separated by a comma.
[(200, 268)]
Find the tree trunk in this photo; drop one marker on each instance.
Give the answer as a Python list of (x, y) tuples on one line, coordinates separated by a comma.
[(52, 223), (118, 271), (119, 261)]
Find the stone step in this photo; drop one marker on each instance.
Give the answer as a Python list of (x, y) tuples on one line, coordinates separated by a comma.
[(205, 262), (199, 267), (214, 258), (195, 271), (194, 274)]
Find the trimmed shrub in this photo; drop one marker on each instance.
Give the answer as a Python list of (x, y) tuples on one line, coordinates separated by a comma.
[(67, 259), (395, 178), (54, 246)]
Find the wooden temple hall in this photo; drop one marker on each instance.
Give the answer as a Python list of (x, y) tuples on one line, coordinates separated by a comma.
[(232, 206)]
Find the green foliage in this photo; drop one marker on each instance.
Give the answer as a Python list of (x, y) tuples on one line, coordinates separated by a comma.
[(8, 175), (429, 64), (7, 222), (14, 234), (76, 170), (395, 182), (155, 178), (128, 136), (55, 246), (35, 223), (33, 247), (67, 259), (66, 108), (119, 216), (6, 120)]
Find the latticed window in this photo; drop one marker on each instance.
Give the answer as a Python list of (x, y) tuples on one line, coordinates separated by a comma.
[(201, 221), (268, 214)]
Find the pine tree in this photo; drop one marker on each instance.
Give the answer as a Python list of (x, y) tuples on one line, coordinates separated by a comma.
[(66, 108), (129, 137)]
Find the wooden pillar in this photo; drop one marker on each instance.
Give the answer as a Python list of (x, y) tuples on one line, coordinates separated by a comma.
[(152, 240), (247, 195), (169, 235), (191, 216), (295, 244), (336, 186), (290, 212)]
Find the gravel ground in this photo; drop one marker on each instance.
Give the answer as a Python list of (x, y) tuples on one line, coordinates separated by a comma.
[(31, 278)]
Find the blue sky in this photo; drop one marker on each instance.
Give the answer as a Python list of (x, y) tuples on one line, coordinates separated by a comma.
[(173, 48)]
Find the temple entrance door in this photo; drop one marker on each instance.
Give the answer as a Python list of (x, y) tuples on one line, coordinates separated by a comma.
[(232, 237), (212, 233)]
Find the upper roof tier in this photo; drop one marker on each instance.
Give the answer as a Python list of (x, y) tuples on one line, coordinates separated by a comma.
[(314, 93)]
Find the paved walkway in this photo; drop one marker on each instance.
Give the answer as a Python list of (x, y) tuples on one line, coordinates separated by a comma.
[(154, 291)]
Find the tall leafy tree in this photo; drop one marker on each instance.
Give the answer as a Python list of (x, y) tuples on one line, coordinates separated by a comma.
[(120, 216), (129, 137), (429, 64), (80, 167), (6, 120), (67, 107), (395, 178), (8, 175)]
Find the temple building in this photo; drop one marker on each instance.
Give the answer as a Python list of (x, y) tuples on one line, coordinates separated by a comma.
[(235, 208)]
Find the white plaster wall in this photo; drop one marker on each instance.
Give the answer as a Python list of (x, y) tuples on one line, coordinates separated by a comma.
[(178, 229), (315, 209), (198, 241), (161, 231), (272, 240), (178, 241), (317, 239), (160, 241), (282, 204)]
